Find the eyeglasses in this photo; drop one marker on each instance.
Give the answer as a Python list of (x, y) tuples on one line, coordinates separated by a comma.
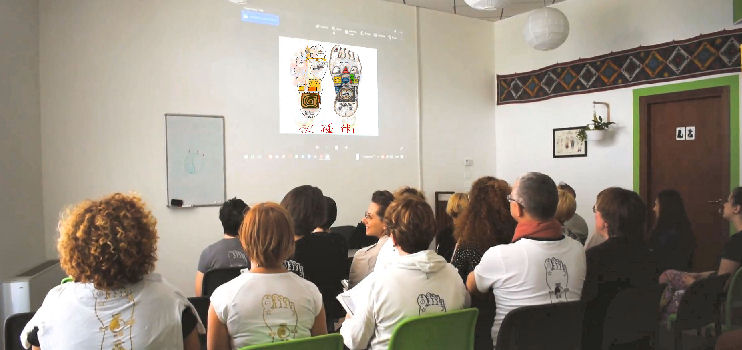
[(368, 216), (595, 210), (511, 199)]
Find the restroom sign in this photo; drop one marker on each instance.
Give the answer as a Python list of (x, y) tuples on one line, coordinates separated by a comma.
[(685, 133)]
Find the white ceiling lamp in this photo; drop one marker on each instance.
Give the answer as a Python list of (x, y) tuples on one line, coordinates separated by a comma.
[(487, 5), (546, 28)]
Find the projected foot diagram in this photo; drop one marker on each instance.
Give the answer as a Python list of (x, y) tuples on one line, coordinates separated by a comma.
[(307, 69), (346, 69)]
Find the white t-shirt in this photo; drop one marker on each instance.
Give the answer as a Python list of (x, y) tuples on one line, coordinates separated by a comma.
[(531, 272), (267, 307), (144, 315), (413, 285)]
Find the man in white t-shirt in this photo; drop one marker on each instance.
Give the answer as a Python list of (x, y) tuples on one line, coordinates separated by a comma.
[(541, 265)]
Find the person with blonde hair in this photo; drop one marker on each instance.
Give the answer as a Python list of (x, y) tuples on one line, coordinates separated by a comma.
[(445, 242), (266, 304), (388, 253), (109, 248), (565, 210), (418, 282)]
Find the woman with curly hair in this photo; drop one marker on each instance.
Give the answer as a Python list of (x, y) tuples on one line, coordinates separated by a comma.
[(109, 248), (485, 223)]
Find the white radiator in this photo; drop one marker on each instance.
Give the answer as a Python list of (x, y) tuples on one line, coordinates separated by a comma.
[(25, 292)]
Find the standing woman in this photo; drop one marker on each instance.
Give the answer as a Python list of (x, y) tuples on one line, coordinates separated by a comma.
[(266, 304), (109, 248), (671, 238)]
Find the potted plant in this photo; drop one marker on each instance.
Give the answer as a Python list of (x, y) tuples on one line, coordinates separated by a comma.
[(595, 130)]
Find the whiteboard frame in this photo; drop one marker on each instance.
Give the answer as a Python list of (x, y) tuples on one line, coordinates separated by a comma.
[(167, 162)]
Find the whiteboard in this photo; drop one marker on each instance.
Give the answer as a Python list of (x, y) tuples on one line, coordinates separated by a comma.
[(195, 159)]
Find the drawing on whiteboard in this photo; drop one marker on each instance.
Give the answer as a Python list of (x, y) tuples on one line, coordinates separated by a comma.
[(194, 161)]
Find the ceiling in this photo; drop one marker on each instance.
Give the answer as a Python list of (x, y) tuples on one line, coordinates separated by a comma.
[(459, 7)]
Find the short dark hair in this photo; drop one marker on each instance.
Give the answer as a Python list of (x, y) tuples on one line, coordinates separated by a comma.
[(410, 221), (231, 214), (623, 211), (737, 196), (537, 193), (331, 213), (382, 198), (307, 207)]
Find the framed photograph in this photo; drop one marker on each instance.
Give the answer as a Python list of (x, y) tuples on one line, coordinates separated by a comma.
[(566, 144)]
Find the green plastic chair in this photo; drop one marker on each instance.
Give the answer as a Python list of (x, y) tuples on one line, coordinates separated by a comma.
[(442, 331), (332, 341), (733, 301)]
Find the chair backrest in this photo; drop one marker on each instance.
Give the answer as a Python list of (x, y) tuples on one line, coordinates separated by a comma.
[(446, 330), (633, 314), (201, 304), (215, 278), (333, 341), (734, 300), (548, 326), (13, 327), (701, 303)]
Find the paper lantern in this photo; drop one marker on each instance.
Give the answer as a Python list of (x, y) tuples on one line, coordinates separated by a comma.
[(546, 28), (487, 4)]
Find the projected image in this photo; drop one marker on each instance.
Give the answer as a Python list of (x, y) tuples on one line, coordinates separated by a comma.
[(315, 102)]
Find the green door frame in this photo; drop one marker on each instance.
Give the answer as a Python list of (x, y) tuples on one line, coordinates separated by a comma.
[(731, 81)]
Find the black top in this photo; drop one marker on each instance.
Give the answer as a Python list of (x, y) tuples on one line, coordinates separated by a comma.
[(673, 249), (340, 243), (615, 265), (466, 258), (445, 243), (733, 248), (325, 265)]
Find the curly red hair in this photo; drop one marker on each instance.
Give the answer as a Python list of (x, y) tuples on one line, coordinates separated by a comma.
[(111, 242), (487, 221)]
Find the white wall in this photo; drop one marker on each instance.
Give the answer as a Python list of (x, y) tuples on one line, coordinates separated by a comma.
[(457, 100), (524, 131), (20, 139), (110, 70)]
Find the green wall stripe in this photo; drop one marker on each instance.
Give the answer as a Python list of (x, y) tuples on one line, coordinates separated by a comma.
[(737, 10)]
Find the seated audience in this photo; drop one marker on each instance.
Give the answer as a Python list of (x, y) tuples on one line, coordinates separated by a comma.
[(541, 266), (418, 282), (266, 304), (338, 242), (731, 256), (324, 264), (444, 240), (484, 224), (226, 252), (671, 238), (622, 261), (565, 210), (364, 259), (576, 224), (109, 248), (388, 252)]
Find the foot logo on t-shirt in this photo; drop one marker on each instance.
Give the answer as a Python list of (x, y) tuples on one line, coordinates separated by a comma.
[(116, 331), (556, 279), (280, 317), (430, 302)]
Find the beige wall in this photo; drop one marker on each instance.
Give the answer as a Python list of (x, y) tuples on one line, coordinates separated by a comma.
[(21, 211)]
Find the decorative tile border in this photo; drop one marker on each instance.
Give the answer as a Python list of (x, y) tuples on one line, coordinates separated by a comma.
[(707, 54)]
